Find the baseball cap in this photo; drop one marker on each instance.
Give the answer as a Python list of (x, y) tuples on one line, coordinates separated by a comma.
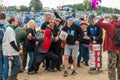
[(91, 16), (68, 17)]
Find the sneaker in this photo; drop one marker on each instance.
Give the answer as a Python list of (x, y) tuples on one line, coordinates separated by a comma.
[(65, 73), (73, 72), (92, 69), (43, 65), (46, 69), (51, 70), (83, 61), (59, 69), (21, 70), (86, 64), (32, 72)]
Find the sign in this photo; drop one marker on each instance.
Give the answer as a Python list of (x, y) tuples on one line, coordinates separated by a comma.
[(94, 50), (63, 35)]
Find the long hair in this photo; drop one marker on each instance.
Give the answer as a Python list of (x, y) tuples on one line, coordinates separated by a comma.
[(46, 16), (31, 24)]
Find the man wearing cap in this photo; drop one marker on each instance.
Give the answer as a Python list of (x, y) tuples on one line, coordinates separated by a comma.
[(75, 35), (94, 32)]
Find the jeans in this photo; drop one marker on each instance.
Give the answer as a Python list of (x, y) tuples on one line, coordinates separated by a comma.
[(16, 65), (15, 68), (24, 60), (5, 68), (31, 55), (1, 64), (83, 51)]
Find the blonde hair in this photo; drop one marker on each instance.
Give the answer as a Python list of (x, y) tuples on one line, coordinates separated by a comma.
[(31, 24), (48, 14), (25, 26)]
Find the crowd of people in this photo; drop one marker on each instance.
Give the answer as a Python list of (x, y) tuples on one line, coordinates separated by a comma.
[(52, 48)]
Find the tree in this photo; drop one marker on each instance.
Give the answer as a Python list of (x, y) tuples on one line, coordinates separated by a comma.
[(12, 8), (73, 12), (35, 5), (24, 8), (87, 7)]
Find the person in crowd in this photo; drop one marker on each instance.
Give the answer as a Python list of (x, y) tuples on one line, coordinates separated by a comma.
[(58, 17), (24, 58), (21, 35), (75, 34), (46, 22), (27, 19), (20, 24), (84, 45), (3, 24), (55, 46), (113, 50), (95, 33), (43, 51), (60, 23), (45, 25), (11, 51), (81, 19), (30, 43)]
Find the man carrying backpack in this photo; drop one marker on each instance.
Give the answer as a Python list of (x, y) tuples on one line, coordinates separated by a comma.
[(113, 50), (3, 23)]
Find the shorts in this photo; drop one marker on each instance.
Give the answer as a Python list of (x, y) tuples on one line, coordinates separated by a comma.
[(71, 50)]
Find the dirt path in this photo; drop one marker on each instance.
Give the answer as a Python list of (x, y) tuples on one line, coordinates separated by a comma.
[(83, 74)]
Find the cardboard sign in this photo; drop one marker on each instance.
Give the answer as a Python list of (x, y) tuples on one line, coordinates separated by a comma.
[(94, 50), (63, 35)]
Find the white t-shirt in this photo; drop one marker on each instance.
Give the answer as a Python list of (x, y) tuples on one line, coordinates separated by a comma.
[(9, 36)]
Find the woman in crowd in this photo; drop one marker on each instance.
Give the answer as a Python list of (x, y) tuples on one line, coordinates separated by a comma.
[(30, 44), (55, 46), (84, 45), (46, 22)]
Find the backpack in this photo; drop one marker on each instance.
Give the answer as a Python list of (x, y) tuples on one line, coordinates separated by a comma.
[(20, 34), (2, 30), (116, 38)]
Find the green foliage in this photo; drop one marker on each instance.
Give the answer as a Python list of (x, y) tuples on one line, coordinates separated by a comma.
[(12, 8), (74, 12), (36, 5), (24, 8), (87, 7)]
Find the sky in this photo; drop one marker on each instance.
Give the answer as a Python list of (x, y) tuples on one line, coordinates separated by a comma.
[(55, 3)]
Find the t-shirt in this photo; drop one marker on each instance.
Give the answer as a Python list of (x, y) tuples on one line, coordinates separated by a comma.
[(9, 36), (44, 25)]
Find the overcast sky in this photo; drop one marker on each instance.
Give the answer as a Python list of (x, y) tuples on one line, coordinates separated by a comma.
[(55, 3)]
